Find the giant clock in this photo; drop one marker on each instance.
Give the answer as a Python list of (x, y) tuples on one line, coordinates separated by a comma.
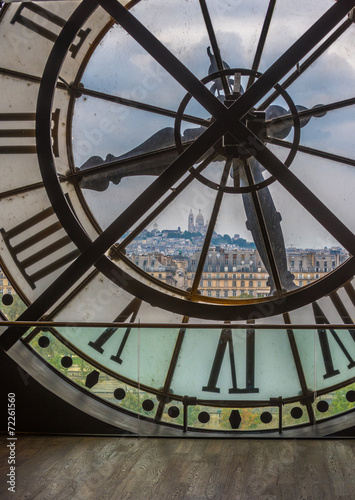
[(120, 118)]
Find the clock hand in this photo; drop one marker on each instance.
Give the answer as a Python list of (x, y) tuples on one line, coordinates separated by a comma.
[(196, 88), (274, 248), (258, 90), (226, 119), (216, 60), (151, 157), (297, 189)]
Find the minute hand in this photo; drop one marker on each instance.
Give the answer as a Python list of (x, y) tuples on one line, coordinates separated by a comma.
[(258, 90), (297, 189)]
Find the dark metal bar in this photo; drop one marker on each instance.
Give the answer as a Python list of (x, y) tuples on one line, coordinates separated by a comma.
[(27, 224), (27, 77), (316, 54), (315, 111), (57, 264), (20, 190), (48, 231), (171, 370), (125, 163), (191, 326), (215, 47), (265, 83), (320, 317), (210, 229), (342, 311), (297, 189), (301, 376), (137, 105), (164, 203), (72, 295), (96, 250), (312, 151), (262, 41), (41, 254), (350, 291), (264, 231)]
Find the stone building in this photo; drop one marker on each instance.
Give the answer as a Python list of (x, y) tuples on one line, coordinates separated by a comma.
[(197, 225)]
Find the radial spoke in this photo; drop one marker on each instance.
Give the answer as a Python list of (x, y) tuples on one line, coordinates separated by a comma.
[(171, 370), (312, 151), (265, 237), (165, 203), (262, 41), (215, 47), (260, 88), (95, 251), (299, 368), (225, 119), (316, 111), (210, 229), (297, 189), (236, 165), (138, 105), (306, 64)]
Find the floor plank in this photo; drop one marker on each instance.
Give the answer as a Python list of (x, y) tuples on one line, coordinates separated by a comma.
[(106, 468)]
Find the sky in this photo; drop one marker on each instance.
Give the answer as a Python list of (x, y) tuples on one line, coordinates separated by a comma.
[(121, 67)]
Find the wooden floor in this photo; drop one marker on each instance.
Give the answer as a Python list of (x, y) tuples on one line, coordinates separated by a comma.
[(147, 468)]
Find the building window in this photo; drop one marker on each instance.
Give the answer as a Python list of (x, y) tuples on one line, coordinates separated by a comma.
[(259, 284), (234, 293), (209, 293), (218, 293), (226, 276), (251, 284), (225, 293), (225, 282), (242, 283), (234, 283), (209, 283)]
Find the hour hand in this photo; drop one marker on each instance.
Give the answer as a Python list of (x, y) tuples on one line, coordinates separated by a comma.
[(151, 157)]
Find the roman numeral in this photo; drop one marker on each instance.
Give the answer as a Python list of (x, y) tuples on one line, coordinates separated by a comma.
[(320, 318), (24, 242), (130, 312), (32, 10), (224, 339), (21, 132)]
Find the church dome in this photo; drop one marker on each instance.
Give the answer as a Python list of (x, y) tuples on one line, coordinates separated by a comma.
[(199, 219)]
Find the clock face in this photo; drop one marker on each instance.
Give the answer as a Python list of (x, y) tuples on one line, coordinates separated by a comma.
[(185, 171)]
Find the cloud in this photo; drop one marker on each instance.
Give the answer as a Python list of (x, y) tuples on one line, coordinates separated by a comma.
[(120, 66)]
